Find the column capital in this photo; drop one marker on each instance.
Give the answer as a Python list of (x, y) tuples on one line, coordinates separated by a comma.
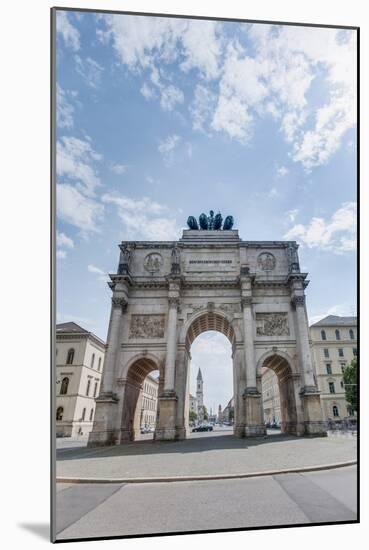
[(173, 301), (298, 301), (119, 303), (246, 301)]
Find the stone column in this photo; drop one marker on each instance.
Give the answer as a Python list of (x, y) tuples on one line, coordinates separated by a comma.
[(248, 325), (310, 396), (105, 429), (119, 306), (298, 301), (167, 419), (253, 401), (170, 358)]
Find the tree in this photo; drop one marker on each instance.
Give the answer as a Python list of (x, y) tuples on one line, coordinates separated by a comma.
[(350, 383), (193, 416), (205, 411)]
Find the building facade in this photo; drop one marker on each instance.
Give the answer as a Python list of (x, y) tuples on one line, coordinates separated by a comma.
[(193, 404), (149, 402), (334, 344), (270, 395), (166, 293), (79, 367)]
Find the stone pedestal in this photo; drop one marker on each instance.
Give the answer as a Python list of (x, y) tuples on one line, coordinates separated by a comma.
[(103, 432), (313, 418), (166, 425), (253, 412)]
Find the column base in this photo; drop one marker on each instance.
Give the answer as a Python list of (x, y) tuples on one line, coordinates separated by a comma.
[(254, 426), (239, 430), (102, 433), (313, 418), (166, 427)]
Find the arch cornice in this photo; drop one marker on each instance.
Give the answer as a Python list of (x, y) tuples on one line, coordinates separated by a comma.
[(214, 311), (146, 357), (276, 353)]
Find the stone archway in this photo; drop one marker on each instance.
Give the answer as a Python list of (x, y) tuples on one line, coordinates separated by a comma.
[(165, 293), (289, 384), (132, 384), (208, 320)]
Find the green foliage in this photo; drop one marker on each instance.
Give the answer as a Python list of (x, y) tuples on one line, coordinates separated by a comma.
[(350, 382), (206, 414), (231, 413), (193, 416)]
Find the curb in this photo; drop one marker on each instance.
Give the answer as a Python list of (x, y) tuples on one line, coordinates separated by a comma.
[(205, 477)]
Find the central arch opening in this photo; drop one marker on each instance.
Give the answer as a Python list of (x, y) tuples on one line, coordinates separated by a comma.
[(210, 341)]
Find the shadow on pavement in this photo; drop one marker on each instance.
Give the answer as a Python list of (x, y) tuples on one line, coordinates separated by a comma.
[(191, 445), (42, 530)]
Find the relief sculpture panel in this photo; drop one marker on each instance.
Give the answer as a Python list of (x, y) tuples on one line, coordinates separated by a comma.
[(147, 326), (272, 324)]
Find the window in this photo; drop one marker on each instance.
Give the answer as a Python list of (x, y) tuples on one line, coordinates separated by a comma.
[(83, 414), (95, 389), (338, 336), (64, 386), (343, 367), (88, 387), (354, 351), (323, 335), (70, 356), (340, 352), (329, 368), (341, 384), (91, 414), (92, 360), (331, 387), (335, 410), (326, 352), (351, 333), (99, 364), (59, 413)]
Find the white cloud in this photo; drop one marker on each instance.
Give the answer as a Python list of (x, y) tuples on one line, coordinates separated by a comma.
[(61, 254), (89, 69), (69, 33), (63, 241), (64, 109), (118, 169), (144, 218), (282, 171), (102, 275), (76, 209), (74, 160), (337, 234), (170, 95), (292, 214), (232, 117), (202, 107), (202, 47), (167, 146), (342, 310), (147, 91)]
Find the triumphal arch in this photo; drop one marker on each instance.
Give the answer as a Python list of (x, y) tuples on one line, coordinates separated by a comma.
[(166, 293)]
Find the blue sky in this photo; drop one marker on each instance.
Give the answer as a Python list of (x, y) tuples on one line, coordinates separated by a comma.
[(162, 118)]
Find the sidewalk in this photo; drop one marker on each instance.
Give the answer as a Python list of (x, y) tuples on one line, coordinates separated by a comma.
[(221, 456)]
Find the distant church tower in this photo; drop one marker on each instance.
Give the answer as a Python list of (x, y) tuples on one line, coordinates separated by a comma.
[(200, 397)]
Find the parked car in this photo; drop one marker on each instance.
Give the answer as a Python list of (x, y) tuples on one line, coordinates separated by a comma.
[(203, 429)]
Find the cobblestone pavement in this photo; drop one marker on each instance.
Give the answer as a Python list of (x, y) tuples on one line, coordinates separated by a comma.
[(216, 454)]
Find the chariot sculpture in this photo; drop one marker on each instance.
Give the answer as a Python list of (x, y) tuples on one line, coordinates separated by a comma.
[(211, 222)]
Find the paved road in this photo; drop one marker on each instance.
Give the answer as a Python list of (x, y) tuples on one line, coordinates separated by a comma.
[(118, 509)]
